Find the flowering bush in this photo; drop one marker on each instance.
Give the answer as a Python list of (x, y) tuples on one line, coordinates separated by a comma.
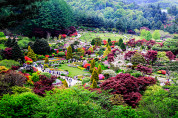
[(144, 69), (170, 55), (161, 72), (28, 60), (63, 36), (131, 42), (109, 73), (110, 57), (150, 43), (86, 65), (128, 55), (151, 56)]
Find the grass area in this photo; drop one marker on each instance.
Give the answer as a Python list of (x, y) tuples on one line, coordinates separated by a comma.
[(104, 36), (2, 46), (72, 71)]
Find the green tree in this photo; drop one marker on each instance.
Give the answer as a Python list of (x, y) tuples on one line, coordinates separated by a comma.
[(148, 35), (120, 41), (41, 46), (31, 54), (156, 35), (99, 69), (94, 84), (54, 14), (17, 53), (123, 47), (69, 53), (109, 48), (46, 60), (94, 76), (137, 59), (143, 33), (92, 65)]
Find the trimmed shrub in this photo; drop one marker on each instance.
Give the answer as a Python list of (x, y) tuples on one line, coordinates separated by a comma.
[(41, 46), (10, 79), (137, 59)]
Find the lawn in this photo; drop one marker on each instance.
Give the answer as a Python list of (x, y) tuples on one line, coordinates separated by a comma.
[(104, 36), (73, 71)]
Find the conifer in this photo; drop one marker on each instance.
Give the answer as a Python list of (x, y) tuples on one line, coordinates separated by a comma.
[(69, 53)]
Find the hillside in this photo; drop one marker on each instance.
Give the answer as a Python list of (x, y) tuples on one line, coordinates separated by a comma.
[(163, 3), (119, 14)]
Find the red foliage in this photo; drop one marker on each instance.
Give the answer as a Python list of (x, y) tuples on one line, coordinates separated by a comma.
[(88, 52), (115, 50), (128, 55), (110, 57), (144, 69), (8, 53), (44, 84), (150, 43), (15, 67), (131, 42), (132, 98), (170, 55), (161, 44), (72, 29), (151, 56), (140, 42), (92, 90), (128, 86)]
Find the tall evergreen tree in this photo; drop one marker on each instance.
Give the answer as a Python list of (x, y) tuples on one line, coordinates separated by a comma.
[(92, 65), (69, 53), (54, 14), (148, 35), (99, 69), (94, 76), (31, 54), (16, 52), (120, 41)]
